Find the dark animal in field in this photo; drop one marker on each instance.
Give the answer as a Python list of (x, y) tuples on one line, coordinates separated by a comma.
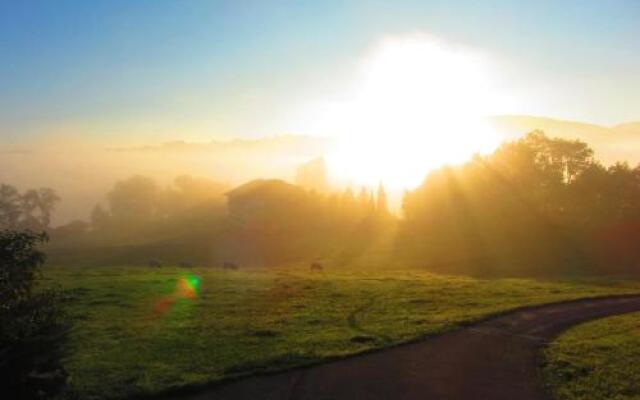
[(155, 263), (229, 265), (316, 266), (186, 264)]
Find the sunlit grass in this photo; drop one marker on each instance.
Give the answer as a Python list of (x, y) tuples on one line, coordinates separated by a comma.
[(596, 361), (129, 339)]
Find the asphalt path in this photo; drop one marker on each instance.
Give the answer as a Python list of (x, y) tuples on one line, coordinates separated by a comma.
[(494, 359)]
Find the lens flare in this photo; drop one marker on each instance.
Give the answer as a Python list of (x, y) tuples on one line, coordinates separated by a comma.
[(187, 287)]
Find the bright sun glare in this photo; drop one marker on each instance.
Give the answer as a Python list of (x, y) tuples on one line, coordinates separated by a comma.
[(419, 105)]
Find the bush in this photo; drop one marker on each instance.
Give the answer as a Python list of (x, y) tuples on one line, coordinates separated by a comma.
[(32, 328)]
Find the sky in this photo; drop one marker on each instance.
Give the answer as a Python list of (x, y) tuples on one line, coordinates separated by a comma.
[(151, 71)]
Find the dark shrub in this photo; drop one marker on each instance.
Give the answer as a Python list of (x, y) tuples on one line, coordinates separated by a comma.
[(31, 322)]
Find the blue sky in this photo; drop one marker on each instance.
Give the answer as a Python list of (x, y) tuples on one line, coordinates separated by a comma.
[(205, 69)]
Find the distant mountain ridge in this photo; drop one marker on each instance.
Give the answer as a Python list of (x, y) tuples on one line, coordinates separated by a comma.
[(632, 128), (615, 143), (279, 143), (610, 143)]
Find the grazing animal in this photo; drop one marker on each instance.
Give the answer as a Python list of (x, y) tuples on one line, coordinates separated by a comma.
[(186, 264), (155, 263), (229, 265), (316, 266)]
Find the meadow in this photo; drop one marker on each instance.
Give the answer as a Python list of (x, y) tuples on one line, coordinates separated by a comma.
[(596, 361), (142, 331)]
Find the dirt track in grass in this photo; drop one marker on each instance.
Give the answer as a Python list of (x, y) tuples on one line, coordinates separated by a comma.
[(495, 359)]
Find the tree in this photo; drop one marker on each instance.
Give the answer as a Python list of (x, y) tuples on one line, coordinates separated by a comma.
[(188, 192), (38, 205), (99, 218), (32, 327), (530, 204), (371, 203), (10, 207), (31, 210), (313, 175), (348, 199), (366, 203), (382, 207), (134, 200), (567, 159)]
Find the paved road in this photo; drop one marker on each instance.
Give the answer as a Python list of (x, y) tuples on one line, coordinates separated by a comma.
[(495, 359)]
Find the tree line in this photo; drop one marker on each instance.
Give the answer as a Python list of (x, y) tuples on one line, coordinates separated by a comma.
[(536, 206), (202, 222)]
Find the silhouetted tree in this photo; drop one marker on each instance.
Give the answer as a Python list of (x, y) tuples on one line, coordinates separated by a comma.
[(313, 175), (536, 205), (32, 328), (134, 200), (99, 218), (31, 210), (38, 205), (382, 207), (10, 207)]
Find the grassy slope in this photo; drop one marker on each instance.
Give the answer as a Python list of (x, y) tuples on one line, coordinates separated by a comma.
[(596, 361), (243, 321)]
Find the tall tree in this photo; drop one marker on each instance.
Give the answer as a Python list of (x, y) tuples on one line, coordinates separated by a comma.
[(31, 210), (38, 206), (382, 207), (10, 207)]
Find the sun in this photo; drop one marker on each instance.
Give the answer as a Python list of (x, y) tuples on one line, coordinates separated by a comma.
[(419, 104)]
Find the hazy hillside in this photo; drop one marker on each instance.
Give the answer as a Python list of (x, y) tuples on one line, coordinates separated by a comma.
[(631, 128), (83, 173), (611, 144)]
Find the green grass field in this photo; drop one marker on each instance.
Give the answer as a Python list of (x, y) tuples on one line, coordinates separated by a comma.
[(596, 361), (141, 331)]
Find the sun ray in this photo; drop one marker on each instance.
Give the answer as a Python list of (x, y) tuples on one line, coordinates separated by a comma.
[(420, 104)]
